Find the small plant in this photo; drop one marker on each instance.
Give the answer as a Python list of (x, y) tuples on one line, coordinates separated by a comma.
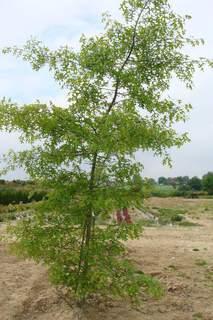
[(198, 316), (209, 275), (201, 263), (172, 267)]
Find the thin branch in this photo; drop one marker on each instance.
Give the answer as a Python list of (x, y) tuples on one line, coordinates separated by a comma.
[(127, 58)]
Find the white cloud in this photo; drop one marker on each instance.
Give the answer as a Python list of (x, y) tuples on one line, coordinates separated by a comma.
[(21, 18)]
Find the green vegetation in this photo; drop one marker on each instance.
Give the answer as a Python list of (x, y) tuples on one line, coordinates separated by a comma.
[(7, 216), (179, 212), (17, 196), (10, 195), (170, 215), (198, 316), (201, 263), (12, 212), (184, 187), (18, 191), (172, 267), (209, 277), (195, 184), (188, 224), (166, 191), (116, 86), (163, 191), (208, 182)]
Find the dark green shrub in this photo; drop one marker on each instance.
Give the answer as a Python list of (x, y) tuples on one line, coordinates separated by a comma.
[(177, 218)]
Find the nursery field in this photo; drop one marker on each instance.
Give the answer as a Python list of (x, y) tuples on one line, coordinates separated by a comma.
[(177, 250)]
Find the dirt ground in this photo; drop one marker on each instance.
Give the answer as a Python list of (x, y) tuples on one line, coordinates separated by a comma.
[(180, 257)]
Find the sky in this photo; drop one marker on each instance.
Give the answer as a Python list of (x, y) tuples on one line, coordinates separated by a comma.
[(62, 22)]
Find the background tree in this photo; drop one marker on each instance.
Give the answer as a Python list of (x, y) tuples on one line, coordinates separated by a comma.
[(151, 181), (84, 153), (207, 182), (185, 180), (162, 180), (172, 181), (195, 184)]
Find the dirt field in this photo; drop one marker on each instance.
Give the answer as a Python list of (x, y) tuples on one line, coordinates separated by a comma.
[(181, 257)]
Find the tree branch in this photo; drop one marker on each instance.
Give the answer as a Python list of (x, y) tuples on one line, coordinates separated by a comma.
[(127, 59)]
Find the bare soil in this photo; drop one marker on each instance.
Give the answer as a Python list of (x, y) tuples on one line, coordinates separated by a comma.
[(180, 257)]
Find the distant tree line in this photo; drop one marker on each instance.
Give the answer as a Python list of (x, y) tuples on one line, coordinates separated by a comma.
[(25, 191), (184, 183), (16, 182)]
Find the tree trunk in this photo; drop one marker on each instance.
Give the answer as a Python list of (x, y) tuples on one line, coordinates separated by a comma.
[(89, 224)]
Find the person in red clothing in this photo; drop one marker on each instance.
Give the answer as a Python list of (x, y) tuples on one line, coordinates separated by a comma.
[(123, 216)]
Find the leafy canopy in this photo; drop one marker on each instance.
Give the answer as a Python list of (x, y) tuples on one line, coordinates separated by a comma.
[(116, 85)]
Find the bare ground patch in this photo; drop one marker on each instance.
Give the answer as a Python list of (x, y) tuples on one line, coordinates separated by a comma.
[(181, 257)]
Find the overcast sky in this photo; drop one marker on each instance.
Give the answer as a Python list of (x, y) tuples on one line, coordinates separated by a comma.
[(62, 22)]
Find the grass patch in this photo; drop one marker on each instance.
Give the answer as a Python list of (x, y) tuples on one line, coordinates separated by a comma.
[(175, 216), (201, 263), (188, 224), (148, 223), (170, 215), (197, 316), (209, 275)]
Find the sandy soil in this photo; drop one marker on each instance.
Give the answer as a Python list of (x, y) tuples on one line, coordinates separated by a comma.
[(181, 257)]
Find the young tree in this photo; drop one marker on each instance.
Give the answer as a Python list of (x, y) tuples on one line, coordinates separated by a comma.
[(84, 153)]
